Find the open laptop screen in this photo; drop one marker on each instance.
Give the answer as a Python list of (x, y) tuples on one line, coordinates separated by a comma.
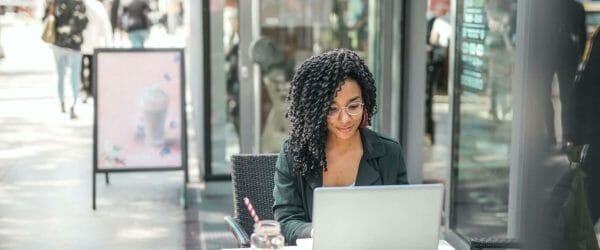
[(377, 217)]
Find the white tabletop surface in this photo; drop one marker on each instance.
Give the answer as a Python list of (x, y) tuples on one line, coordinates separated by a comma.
[(306, 244)]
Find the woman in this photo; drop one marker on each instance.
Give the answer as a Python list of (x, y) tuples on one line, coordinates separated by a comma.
[(71, 20), (137, 22), (332, 98)]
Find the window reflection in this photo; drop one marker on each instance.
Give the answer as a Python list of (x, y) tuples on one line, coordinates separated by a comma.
[(587, 92), (437, 142), (225, 86), (562, 190), (296, 30), (483, 118)]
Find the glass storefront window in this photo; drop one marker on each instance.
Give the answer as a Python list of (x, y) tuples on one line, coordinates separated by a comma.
[(298, 30), (289, 32), (224, 84), (485, 45), (436, 160)]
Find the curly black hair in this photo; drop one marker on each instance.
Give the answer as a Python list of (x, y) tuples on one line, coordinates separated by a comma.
[(313, 88)]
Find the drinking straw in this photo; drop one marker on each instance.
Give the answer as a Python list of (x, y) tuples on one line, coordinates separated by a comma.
[(255, 218), (251, 210)]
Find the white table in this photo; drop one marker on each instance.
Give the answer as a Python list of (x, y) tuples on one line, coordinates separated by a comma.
[(306, 244)]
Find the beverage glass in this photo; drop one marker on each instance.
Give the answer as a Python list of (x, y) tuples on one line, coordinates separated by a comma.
[(154, 108), (267, 235)]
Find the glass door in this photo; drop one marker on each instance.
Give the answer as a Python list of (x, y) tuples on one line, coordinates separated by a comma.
[(276, 37), (221, 86), (482, 117), (251, 50)]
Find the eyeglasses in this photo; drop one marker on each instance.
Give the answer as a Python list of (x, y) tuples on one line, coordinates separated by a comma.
[(354, 108)]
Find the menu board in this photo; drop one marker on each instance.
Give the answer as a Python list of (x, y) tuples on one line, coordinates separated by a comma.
[(139, 118), (485, 44), (471, 38)]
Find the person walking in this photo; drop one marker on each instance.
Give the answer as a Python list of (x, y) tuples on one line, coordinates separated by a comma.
[(137, 23), (97, 34), (71, 20), (1, 48)]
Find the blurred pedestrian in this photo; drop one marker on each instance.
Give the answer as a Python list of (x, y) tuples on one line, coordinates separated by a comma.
[(439, 32), (585, 121), (71, 20), (1, 48), (97, 34), (115, 7), (136, 22)]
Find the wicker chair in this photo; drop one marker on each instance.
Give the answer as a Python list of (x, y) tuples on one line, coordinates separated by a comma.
[(252, 177)]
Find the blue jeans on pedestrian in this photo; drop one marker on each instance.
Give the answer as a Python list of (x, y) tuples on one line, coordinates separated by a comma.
[(67, 59), (138, 37)]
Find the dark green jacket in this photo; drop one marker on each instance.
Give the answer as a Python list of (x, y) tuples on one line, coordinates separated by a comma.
[(381, 164)]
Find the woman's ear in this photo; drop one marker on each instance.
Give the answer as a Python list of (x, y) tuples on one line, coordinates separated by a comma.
[(365, 119)]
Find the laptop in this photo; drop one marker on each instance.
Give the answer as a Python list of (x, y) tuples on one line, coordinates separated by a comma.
[(377, 217)]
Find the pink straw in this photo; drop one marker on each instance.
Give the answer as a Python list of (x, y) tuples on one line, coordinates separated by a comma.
[(255, 217), (251, 210)]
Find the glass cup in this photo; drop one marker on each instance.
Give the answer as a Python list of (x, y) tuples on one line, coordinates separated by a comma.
[(155, 103), (267, 235)]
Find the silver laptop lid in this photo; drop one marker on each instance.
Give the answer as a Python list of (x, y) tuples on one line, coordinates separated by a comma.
[(377, 217)]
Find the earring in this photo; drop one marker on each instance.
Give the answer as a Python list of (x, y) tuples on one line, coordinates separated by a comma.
[(365, 120)]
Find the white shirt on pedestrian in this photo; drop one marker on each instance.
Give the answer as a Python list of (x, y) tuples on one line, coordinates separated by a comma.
[(98, 33)]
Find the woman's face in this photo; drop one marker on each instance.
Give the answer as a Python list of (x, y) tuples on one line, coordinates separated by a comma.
[(346, 111)]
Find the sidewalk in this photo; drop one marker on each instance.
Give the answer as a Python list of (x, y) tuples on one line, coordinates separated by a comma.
[(46, 171)]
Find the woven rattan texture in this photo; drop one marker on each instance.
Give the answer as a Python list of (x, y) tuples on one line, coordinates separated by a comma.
[(252, 177)]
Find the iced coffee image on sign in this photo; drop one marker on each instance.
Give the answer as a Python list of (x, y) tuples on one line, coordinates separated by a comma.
[(154, 105)]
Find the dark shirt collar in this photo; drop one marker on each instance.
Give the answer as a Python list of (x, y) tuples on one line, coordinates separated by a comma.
[(367, 174), (372, 146)]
